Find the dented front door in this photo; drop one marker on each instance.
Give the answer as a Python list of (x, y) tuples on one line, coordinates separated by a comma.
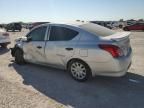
[(35, 47), (34, 52)]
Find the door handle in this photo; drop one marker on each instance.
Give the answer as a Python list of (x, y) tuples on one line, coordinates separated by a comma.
[(39, 47), (69, 49)]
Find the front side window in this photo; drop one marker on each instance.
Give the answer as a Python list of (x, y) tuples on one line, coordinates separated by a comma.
[(62, 34), (38, 34)]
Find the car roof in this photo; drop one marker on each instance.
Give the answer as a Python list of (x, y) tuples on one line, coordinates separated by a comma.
[(87, 26), (76, 24)]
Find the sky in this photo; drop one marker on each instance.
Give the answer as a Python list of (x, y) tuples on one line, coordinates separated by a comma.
[(69, 10)]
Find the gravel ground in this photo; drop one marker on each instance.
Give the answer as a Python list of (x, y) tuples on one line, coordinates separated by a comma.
[(33, 86), (14, 96)]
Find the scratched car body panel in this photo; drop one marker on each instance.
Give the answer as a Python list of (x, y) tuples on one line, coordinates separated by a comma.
[(102, 51)]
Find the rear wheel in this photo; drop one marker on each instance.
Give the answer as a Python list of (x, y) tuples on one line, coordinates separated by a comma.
[(19, 57), (120, 26), (79, 70), (126, 29)]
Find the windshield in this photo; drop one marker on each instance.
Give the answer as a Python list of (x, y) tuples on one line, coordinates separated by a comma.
[(97, 29)]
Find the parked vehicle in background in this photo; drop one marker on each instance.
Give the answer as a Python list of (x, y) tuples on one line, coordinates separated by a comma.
[(103, 23), (1, 26), (130, 23), (13, 27), (28, 25), (24, 26), (110, 24), (84, 49), (4, 39), (137, 26), (36, 24), (118, 24)]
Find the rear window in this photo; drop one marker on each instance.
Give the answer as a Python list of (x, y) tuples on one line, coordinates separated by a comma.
[(97, 30)]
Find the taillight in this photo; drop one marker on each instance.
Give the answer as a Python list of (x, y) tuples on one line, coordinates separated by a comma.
[(115, 51), (5, 34)]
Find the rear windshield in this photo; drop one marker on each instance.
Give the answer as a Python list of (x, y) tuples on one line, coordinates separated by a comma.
[(97, 29)]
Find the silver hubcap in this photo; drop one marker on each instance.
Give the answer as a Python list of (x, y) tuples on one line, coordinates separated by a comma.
[(78, 70)]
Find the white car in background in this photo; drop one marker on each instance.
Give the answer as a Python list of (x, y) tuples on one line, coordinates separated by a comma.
[(119, 24), (4, 39)]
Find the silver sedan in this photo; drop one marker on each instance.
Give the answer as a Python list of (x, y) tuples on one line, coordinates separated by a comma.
[(84, 49)]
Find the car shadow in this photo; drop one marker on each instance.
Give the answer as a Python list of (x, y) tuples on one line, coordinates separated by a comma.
[(3, 50), (99, 92)]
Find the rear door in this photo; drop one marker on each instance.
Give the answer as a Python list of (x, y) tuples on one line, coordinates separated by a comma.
[(60, 45), (34, 49)]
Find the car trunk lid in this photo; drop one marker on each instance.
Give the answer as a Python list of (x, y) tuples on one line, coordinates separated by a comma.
[(122, 40)]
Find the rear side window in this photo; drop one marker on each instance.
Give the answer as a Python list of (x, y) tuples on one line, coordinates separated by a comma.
[(38, 34), (62, 34), (97, 29)]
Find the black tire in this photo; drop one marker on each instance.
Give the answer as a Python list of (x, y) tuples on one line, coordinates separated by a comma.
[(120, 26), (19, 59), (126, 29), (86, 72), (4, 45)]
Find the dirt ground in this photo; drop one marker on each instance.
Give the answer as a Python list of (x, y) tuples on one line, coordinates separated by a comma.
[(33, 86)]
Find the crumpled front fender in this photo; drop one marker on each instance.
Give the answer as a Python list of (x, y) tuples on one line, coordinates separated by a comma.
[(13, 50)]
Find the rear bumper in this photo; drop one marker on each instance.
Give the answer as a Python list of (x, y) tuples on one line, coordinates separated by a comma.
[(115, 67), (114, 73)]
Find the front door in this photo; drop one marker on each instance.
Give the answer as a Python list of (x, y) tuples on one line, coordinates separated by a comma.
[(34, 49)]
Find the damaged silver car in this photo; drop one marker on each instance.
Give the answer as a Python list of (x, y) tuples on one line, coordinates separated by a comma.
[(84, 49)]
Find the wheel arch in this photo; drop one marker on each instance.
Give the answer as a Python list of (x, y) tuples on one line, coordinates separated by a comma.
[(89, 72), (13, 50), (77, 59)]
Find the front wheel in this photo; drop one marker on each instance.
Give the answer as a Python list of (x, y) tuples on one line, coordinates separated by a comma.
[(19, 57), (79, 70)]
